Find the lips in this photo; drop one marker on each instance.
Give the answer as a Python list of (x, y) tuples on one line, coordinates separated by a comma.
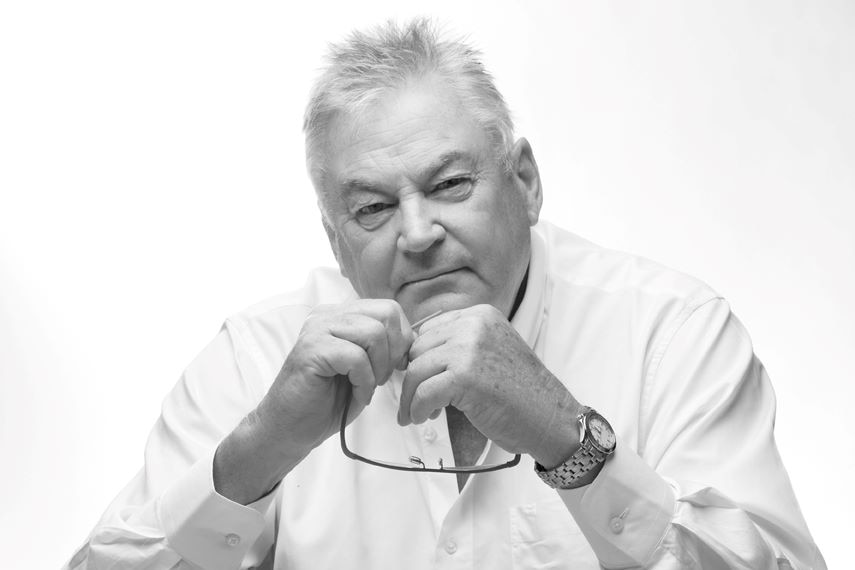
[(420, 278)]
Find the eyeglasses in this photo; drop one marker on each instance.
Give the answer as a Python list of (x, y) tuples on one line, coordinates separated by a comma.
[(416, 464)]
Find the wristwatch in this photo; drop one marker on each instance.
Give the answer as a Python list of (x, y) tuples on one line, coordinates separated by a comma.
[(596, 443)]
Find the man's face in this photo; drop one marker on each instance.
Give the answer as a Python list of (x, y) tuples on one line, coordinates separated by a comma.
[(420, 210)]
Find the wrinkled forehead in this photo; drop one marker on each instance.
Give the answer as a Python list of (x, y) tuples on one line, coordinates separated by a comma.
[(403, 136)]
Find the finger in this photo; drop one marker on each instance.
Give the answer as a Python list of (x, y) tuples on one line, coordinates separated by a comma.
[(350, 360), (439, 320), (416, 325), (381, 309), (428, 340), (399, 334), (369, 334), (427, 366), (431, 397), (401, 337)]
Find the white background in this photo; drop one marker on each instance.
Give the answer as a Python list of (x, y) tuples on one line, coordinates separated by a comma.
[(152, 183)]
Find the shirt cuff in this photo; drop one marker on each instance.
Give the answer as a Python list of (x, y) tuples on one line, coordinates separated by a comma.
[(204, 527), (625, 513)]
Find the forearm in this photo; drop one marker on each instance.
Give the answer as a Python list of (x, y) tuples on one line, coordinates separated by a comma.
[(251, 461)]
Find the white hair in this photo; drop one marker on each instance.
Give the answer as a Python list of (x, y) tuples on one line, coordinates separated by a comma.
[(368, 64)]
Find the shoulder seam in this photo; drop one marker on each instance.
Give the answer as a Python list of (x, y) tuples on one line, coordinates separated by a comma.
[(684, 315)]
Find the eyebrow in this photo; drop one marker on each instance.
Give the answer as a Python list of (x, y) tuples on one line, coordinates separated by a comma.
[(350, 185)]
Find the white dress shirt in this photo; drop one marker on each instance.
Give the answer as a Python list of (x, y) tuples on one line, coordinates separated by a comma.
[(696, 480)]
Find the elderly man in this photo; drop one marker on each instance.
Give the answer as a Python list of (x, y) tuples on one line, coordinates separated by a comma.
[(436, 405)]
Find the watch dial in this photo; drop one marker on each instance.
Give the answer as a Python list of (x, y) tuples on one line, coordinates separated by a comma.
[(603, 435)]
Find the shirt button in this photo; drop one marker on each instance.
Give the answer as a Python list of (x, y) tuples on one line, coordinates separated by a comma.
[(616, 525), (232, 539), (451, 547), (430, 435)]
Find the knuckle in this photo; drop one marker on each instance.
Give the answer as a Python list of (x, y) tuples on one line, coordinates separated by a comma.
[(307, 339), (375, 330), (484, 310), (414, 367), (488, 314), (455, 379), (415, 349), (389, 307), (386, 308), (463, 368), (354, 354), (310, 322)]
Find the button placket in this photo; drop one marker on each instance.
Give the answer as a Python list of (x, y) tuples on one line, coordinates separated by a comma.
[(440, 489)]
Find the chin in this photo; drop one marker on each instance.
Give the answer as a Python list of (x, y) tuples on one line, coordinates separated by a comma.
[(444, 302)]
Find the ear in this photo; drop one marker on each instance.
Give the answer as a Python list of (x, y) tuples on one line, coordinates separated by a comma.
[(526, 177), (332, 236)]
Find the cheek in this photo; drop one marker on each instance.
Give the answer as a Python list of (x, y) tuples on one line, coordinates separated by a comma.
[(504, 231), (516, 225), (371, 266)]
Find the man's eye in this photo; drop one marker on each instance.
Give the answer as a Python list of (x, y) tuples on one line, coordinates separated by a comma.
[(450, 183), (375, 208)]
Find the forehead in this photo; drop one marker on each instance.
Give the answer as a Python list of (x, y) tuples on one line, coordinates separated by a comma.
[(403, 136)]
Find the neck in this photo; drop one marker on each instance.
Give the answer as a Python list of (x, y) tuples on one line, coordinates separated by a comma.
[(520, 294)]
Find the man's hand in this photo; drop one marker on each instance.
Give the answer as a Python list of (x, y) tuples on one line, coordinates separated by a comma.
[(474, 360), (360, 344)]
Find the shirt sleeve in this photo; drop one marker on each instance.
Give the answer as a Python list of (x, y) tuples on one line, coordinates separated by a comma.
[(170, 515), (706, 487)]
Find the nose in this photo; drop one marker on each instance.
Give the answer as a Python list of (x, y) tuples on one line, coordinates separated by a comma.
[(419, 228)]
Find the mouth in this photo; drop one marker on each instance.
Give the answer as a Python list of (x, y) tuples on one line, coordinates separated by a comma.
[(433, 275)]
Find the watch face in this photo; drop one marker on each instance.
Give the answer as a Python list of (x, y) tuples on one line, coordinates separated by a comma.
[(601, 432)]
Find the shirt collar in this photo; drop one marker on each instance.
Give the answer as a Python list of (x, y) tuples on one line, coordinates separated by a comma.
[(529, 316)]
